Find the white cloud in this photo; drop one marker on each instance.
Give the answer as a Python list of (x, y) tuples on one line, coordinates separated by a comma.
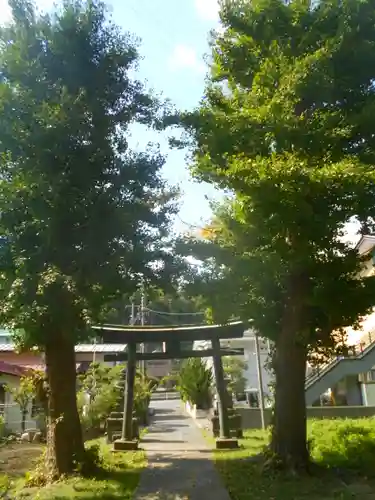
[(184, 56), (208, 9)]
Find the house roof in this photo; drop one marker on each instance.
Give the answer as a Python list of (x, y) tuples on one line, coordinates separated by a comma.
[(81, 348), (42, 367), (12, 369), (107, 348)]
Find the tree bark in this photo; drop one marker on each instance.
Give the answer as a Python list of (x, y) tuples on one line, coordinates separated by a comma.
[(23, 422), (65, 446), (289, 437)]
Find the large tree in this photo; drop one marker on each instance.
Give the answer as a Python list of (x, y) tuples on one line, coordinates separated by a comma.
[(81, 216), (286, 126)]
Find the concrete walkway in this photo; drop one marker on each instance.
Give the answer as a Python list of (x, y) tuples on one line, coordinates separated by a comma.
[(180, 465)]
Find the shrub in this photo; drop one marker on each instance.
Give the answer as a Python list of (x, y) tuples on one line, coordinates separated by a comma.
[(195, 383), (347, 444), (2, 427), (100, 392)]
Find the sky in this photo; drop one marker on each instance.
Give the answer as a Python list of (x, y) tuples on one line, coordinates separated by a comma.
[(173, 41)]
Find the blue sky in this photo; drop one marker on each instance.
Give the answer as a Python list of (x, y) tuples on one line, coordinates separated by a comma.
[(174, 36)]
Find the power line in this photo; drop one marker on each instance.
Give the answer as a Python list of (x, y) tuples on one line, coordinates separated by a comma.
[(165, 313)]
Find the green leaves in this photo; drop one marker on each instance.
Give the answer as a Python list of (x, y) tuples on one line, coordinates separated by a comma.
[(285, 127), (24, 394), (234, 369), (82, 216), (195, 382)]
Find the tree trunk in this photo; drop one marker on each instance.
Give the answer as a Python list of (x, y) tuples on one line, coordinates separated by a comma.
[(65, 446), (23, 421), (289, 437)]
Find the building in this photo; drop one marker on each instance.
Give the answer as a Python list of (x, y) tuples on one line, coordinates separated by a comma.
[(85, 355), (351, 380), (247, 342), (10, 412)]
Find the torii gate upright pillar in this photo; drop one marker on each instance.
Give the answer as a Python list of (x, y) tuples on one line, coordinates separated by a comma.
[(126, 442), (225, 441)]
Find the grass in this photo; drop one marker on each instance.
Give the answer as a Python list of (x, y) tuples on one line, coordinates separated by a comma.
[(344, 448), (118, 480)]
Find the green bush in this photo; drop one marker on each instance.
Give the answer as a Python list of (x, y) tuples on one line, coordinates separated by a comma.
[(143, 387), (2, 427), (195, 383), (99, 394), (105, 388), (347, 444)]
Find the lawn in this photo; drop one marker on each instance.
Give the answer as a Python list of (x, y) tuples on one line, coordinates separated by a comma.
[(118, 480), (344, 448)]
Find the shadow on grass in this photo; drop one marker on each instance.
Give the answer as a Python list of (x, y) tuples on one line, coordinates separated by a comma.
[(116, 481), (343, 455), (194, 476)]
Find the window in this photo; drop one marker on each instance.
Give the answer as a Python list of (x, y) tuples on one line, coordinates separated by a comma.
[(367, 377)]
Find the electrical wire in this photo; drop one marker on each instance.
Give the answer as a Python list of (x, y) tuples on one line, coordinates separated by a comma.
[(165, 313)]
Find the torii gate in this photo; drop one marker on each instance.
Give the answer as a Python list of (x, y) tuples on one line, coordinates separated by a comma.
[(172, 337)]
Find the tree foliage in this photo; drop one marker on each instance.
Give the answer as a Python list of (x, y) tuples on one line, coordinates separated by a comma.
[(23, 395), (194, 382), (160, 307), (102, 391), (234, 369), (286, 127), (82, 216)]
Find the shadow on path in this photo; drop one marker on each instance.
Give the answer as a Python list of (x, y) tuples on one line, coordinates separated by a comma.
[(180, 465), (179, 477)]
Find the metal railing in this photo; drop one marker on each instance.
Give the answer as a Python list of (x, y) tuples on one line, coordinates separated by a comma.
[(356, 351)]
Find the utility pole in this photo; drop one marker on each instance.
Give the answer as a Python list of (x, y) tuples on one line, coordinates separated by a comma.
[(143, 299), (260, 381), (132, 317)]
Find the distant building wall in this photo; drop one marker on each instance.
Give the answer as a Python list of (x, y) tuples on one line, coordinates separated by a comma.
[(369, 394), (159, 368), (251, 416), (9, 409)]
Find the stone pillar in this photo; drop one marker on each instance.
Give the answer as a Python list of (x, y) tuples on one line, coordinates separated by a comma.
[(225, 440), (126, 442)]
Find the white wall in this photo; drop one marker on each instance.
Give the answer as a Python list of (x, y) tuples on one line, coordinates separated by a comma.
[(251, 374), (11, 410)]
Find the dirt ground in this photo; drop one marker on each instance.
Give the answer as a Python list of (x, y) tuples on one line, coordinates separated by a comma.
[(18, 458)]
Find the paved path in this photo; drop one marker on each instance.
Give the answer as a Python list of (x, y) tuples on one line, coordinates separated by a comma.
[(180, 465)]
